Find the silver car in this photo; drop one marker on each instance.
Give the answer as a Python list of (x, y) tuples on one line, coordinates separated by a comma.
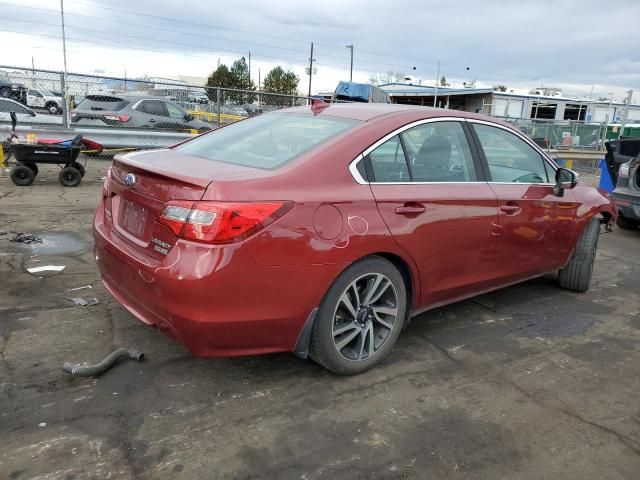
[(135, 112)]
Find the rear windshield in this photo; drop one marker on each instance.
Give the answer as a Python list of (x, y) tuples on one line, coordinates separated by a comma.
[(99, 103), (267, 141)]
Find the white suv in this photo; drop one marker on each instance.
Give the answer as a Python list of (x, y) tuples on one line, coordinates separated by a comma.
[(38, 98)]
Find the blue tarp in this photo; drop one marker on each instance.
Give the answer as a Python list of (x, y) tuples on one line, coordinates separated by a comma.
[(356, 91)]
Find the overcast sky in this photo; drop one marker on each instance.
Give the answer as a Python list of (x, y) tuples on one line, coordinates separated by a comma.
[(571, 44)]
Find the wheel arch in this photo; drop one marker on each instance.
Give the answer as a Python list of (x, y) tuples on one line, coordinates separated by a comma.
[(412, 287)]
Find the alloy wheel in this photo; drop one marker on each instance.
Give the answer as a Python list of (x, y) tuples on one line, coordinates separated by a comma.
[(364, 316)]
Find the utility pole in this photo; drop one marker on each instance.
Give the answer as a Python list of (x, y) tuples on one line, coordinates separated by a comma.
[(311, 60), (65, 96), (249, 66), (625, 112), (350, 47), (435, 95)]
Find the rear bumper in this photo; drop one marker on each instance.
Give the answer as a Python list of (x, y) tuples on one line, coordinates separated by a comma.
[(627, 204), (215, 300)]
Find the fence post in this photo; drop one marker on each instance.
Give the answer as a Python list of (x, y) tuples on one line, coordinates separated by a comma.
[(218, 104), (65, 101)]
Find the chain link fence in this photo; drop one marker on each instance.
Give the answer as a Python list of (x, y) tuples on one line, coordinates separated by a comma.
[(562, 134), (78, 100)]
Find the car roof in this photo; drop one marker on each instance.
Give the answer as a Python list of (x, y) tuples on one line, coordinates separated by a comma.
[(369, 111)]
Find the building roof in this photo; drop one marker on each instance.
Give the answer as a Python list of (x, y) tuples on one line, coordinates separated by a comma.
[(409, 90)]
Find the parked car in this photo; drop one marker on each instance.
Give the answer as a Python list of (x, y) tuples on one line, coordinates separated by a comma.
[(322, 230), (24, 114), (15, 91), (198, 97), (134, 112), (360, 92), (38, 98), (623, 162)]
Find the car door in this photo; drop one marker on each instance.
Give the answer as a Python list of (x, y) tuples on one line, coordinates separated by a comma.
[(151, 114), (436, 204), (535, 224), (177, 117), (35, 98)]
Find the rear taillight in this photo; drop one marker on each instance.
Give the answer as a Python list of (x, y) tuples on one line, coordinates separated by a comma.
[(116, 118), (624, 170), (220, 222)]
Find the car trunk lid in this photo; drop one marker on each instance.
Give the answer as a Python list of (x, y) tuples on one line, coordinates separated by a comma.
[(140, 184)]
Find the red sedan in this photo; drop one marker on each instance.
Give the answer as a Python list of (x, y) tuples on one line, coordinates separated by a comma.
[(321, 230)]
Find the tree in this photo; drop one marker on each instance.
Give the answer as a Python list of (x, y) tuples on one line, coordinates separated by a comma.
[(241, 81), (443, 82), (388, 77), (280, 81), (220, 77), (500, 88)]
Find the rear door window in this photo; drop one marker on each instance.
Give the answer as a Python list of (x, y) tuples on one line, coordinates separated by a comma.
[(439, 152), (153, 107), (388, 162), (267, 141)]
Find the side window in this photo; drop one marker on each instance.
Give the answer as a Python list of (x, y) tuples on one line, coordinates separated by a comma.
[(174, 112), (152, 107), (34, 93), (388, 162), (510, 159), (439, 152)]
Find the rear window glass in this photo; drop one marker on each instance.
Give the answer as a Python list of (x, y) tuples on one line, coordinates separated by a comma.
[(106, 103), (267, 141)]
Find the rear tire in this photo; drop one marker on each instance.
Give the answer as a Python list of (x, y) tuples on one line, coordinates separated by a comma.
[(577, 274), (70, 177), (627, 223), (52, 108), (78, 166), (360, 317), (22, 175)]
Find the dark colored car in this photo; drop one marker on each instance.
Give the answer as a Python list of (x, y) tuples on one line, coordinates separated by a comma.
[(135, 112), (13, 90), (360, 92), (322, 230), (623, 162)]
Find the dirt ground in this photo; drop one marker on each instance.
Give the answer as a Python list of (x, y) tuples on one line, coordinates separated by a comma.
[(528, 382)]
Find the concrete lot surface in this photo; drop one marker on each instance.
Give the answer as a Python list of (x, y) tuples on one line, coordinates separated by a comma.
[(529, 382)]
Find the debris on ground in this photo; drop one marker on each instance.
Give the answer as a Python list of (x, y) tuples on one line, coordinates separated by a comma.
[(25, 238), (47, 268), (3, 232), (81, 302), (79, 288), (110, 360)]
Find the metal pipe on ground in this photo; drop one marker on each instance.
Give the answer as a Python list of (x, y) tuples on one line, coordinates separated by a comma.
[(110, 360)]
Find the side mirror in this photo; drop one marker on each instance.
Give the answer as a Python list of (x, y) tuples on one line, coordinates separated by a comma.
[(565, 179)]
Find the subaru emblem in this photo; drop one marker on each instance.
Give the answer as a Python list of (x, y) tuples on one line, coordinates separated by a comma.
[(130, 180)]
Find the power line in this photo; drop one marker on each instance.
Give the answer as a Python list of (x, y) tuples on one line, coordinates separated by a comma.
[(411, 61)]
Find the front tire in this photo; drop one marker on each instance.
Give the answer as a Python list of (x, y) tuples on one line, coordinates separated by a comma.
[(52, 108), (577, 274), (22, 176), (360, 317)]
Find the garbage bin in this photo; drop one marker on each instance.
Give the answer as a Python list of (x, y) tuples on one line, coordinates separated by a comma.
[(606, 182)]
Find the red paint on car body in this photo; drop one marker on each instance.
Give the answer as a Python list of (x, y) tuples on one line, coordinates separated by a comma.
[(254, 295)]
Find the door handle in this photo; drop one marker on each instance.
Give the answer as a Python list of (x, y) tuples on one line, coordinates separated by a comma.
[(510, 209), (410, 209)]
